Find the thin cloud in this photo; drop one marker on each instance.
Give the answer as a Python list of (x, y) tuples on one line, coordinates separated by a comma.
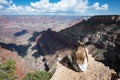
[(5, 2), (97, 6), (28, 8), (1, 7), (15, 8)]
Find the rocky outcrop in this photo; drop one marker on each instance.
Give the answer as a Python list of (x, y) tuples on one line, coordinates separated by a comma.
[(95, 71)]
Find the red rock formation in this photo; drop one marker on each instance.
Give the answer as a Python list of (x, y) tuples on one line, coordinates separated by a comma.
[(21, 69)]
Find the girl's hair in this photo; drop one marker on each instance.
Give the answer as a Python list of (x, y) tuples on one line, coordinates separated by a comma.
[(79, 53)]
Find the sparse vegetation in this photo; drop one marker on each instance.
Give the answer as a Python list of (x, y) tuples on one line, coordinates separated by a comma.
[(38, 75), (7, 70)]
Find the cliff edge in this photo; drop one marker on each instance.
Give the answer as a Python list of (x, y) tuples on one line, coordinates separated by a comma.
[(95, 71)]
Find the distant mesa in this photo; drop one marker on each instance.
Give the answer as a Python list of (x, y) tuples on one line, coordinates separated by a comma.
[(20, 33), (107, 19)]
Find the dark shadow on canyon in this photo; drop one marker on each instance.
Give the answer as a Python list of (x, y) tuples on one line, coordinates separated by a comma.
[(34, 36), (17, 34), (20, 49), (46, 43)]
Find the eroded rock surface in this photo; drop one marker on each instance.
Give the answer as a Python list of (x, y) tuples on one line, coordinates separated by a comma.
[(95, 71)]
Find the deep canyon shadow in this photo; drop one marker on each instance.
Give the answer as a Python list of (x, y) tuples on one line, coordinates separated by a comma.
[(46, 43), (20, 49), (17, 34)]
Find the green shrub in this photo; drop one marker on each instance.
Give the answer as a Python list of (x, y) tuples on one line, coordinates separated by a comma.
[(7, 70), (38, 75)]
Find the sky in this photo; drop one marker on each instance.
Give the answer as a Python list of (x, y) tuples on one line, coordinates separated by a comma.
[(60, 7)]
